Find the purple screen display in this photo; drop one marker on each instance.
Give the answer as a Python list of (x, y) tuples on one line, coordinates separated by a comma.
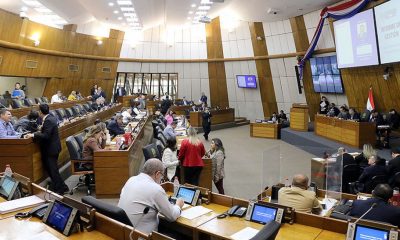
[(246, 81), (356, 41)]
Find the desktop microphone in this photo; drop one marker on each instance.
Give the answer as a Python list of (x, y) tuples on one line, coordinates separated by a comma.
[(145, 211), (362, 216)]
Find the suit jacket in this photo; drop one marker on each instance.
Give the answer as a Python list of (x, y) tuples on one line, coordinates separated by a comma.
[(355, 116), (383, 212), (348, 159), (393, 167), (370, 172), (114, 128), (48, 136)]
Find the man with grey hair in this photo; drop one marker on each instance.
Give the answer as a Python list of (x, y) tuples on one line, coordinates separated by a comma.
[(115, 126), (298, 197), (143, 191)]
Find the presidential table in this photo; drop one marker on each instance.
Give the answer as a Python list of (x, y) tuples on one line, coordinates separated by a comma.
[(349, 132), (265, 130), (218, 117), (24, 155)]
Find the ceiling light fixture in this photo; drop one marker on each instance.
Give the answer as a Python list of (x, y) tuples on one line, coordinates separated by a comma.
[(130, 14), (32, 3), (110, 4), (204, 8), (127, 9), (24, 9), (201, 13), (124, 2), (119, 18), (190, 12), (43, 10), (193, 5), (116, 12)]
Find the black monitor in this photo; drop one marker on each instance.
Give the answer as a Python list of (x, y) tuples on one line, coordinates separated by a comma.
[(189, 195), (362, 231), (60, 216), (264, 213), (8, 186)]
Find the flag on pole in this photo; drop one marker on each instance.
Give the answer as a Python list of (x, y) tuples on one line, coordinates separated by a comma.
[(370, 101)]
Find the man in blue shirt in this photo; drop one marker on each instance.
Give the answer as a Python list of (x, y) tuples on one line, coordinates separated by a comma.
[(169, 131), (6, 128), (17, 92)]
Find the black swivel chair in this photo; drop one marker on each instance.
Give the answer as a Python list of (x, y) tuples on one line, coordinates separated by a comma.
[(39, 100), (160, 146), (61, 114), (79, 139), (54, 113), (162, 138), (351, 173), (268, 232), (151, 151), (77, 111), (14, 120), (161, 124), (356, 187), (108, 210), (29, 102), (69, 113), (17, 103), (45, 100), (3, 103), (87, 107), (84, 168)]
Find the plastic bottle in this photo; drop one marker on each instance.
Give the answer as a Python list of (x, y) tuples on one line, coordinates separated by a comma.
[(287, 182), (176, 185), (8, 171)]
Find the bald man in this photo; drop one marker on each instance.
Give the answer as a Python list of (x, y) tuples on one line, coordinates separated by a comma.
[(143, 191), (298, 197)]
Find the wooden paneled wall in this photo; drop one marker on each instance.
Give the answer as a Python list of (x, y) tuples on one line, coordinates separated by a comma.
[(267, 90), (216, 70), (15, 30), (301, 42)]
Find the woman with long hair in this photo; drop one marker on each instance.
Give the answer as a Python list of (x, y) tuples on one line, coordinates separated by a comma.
[(191, 153), (367, 152), (217, 155), (169, 158), (92, 142)]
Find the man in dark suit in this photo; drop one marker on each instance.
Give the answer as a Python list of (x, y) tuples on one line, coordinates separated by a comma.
[(394, 164), (121, 91), (99, 93), (346, 157), (50, 147), (165, 105), (354, 115), (383, 212), (376, 168), (115, 126)]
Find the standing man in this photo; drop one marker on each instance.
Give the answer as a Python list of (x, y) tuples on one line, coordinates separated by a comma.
[(206, 116), (165, 105), (17, 92), (203, 98), (50, 147), (6, 128)]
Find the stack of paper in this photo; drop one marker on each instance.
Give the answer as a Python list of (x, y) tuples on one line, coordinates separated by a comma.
[(21, 203), (195, 212), (245, 234)]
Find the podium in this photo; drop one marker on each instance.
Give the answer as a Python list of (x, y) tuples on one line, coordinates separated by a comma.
[(299, 117), (126, 100)]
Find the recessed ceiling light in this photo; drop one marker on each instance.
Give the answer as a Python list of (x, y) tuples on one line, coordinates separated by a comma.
[(201, 13), (32, 3), (127, 9), (24, 9), (193, 5), (119, 18), (189, 18), (206, 2), (124, 2), (43, 10), (116, 12), (123, 24), (204, 7), (110, 4), (190, 12), (130, 14)]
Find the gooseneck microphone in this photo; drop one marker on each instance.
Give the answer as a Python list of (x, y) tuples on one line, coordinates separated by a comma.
[(369, 210), (145, 211)]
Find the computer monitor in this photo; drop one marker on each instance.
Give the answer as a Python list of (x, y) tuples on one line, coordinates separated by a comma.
[(60, 216), (361, 231), (189, 195), (8, 186), (262, 213)]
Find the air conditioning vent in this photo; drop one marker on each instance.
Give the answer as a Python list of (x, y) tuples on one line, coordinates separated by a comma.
[(73, 68), (31, 64), (106, 69)]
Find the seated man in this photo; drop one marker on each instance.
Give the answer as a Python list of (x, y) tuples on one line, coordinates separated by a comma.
[(143, 191), (344, 114), (6, 128), (376, 168), (383, 212), (57, 98), (28, 124), (127, 115), (169, 131), (115, 126), (298, 197)]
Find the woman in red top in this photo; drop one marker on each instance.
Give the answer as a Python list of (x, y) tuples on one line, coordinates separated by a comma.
[(191, 152)]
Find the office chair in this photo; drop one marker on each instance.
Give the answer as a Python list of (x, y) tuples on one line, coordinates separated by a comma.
[(87, 107), (69, 113), (84, 168), (356, 187), (364, 117), (158, 130), (151, 151), (162, 138), (45, 100), (29, 102), (54, 113), (268, 232), (79, 139), (38, 100), (161, 124), (160, 146), (61, 114), (395, 180), (17, 103), (3, 103), (351, 173), (14, 120), (77, 110), (109, 210)]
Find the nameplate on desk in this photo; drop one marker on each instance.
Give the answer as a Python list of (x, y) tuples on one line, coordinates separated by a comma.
[(195, 212), (21, 203)]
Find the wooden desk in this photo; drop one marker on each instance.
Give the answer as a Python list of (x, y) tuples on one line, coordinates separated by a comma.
[(151, 105), (205, 180), (113, 167), (181, 110), (299, 117), (218, 117), (352, 133), (126, 100), (24, 155), (265, 130), (19, 112)]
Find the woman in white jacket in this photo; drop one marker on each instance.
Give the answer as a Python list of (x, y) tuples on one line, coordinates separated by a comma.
[(169, 158)]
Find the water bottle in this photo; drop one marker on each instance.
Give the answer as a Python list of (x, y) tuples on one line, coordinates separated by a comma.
[(8, 171), (287, 182), (176, 186)]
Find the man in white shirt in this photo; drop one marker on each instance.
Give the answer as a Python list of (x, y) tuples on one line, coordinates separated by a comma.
[(57, 98), (127, 116), (143, 191)]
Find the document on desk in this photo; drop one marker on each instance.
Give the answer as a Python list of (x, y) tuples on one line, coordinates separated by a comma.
[(245, 234), (21, 203), (195, 212), (329, 203), (43, 236)]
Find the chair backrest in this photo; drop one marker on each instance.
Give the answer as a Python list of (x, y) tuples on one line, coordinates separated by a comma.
[(365, 116), (14, 120), (77, 110), (54, 113), (351, 173), (17, 103), (160, 146), (69, 112), (73, 148), (268, 232), (38, 100), (61, 113), (87, 107), (162, 138), (3, 103), (378, 179), (151, 151), (29, 102), (79, 139), (45, 100), (161, 124), (107, 209), (396, 180)]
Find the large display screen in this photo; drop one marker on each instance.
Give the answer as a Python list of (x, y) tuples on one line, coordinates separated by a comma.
[(187, 194), (356, 40), (367, 233), (387, 18), (246, 81), (263, 214), (326, 75), (59, 216)]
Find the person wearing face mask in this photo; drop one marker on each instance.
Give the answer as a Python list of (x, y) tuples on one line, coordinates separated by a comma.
[(143, 191)]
